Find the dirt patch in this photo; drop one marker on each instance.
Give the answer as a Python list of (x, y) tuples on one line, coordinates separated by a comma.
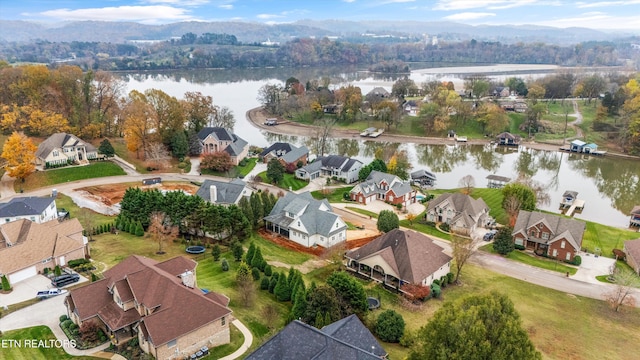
[(113, 193), (356, 243), (288, 244)]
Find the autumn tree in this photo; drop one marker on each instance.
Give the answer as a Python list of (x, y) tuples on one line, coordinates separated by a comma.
[(399, 165), (631, 116), (217, 161), (467, 183), (625, 281), (161, 229), (168, 114), (20, 154), (351, 99), (138, 123), (199, 110), (404, 87), (463, 248), (473, 328), (493, 118), (157, 155)]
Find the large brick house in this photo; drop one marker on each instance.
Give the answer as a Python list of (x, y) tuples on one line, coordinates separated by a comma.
[(554, 235), (462, 212), (27, 248), (286, 153), (159, 303), (215, 139), (384, 187)]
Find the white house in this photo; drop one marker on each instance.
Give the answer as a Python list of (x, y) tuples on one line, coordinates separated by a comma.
[(36, 209), (63, 148), (343, 168), (307, 221)]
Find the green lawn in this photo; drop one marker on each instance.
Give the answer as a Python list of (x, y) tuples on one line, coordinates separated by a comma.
[(121, 150), (333, 195), (533, 260), (424, 228), (51, 177), (362, 211), (12, 350), (606, 238), (288, 182), (246, 169)]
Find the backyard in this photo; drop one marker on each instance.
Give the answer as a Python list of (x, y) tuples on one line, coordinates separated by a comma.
[(41, 179)]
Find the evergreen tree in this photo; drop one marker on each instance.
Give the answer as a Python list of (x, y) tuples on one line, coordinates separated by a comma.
[(250, 252), (256, 207), (267, 270), (273, 282), (327, 319), (237, 250), (106, 148), (275, 171), (503, 243), (282, 290), (299, 305), (350, 289), (257, 261), (225, 265), (215, 252), (179, 145), (387, 221), (475, 327), (255, 273), (245, 207), (5, 283), (264, 283), (319, 321), (390, 326), (139, 229)]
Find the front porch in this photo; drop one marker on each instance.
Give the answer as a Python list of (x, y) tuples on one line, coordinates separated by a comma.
[(376, 274)]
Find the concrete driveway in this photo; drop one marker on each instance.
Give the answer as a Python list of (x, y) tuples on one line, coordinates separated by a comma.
[(28, 288), (593, 266)]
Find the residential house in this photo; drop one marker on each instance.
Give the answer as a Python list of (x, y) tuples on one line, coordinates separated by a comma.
[(501, 91), (577, 145), (508, 139), (554, 235), (216, 139), (36, 209), (423, 178), (378, 92), (400, 257), (462, 212), (347, 338), (286, 153), (632, 250), (634, 220), (307, 221), (224, 193), (27, 248), (62, 149), (158, 303), (411, 108), (385, 187), (342, 168), (590, 148), (496, 181)]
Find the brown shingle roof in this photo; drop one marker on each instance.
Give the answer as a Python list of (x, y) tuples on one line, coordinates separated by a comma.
[(88, 299), (561, 227), (32, 242), (116, 318), (414, 255), (632, 248)]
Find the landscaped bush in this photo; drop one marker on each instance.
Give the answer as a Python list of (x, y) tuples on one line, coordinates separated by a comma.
[(444, 281), (5, 283), (390, 326), (519, 247), (436, 281), (225, 265), (577, 260), (445, 227), (65, 324), (264, 283), (255, 273), (450, 277), (63, 318), (267, 270), (435, 290)]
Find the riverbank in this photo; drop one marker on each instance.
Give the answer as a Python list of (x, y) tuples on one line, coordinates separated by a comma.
[(258, 116)]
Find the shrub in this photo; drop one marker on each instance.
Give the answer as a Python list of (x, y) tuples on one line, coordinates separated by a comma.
[(225, 265), (215, 252), (519, 247), (273, 282), (46, 270), (390, 326), (267, 270), (57, 271), (444, 281), (408, 338), (435, 290), (65, 324), (445, 227), (5, 283), (264, 283), (63, 318), (255, 273), (436, 281), (577, 260), (450, 277), (346, 196)]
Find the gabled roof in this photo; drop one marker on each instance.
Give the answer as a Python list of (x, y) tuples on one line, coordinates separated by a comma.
[(422, 173), (226, 192), (24, 243), (570, 193), (285, 151), (460, 203), (561, 227), (379, 91), (632, 248), (498, 178), (578, 143), (299, 341), (60, 140), (155, 286), (331, 162), (25, 206), (635, 210), (508, 135), (221, 134), (413, 255), (372, 185), (314, 218)]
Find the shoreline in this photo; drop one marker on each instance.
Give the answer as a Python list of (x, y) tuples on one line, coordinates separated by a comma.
[(257, 117)]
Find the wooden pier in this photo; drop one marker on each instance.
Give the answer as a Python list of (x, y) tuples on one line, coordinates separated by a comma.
[(578, 204)]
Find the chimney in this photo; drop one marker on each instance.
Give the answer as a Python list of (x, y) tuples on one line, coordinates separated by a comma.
[(188, 279), (213, 194)]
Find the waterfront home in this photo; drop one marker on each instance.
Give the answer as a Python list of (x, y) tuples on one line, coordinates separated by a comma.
[(462, 212), (423, 178), (553, 235), (307, 221), (632, 251), (508, 139), (342, 168), (286, 153), (63, 149), (400, 257), (384, 187), (215, 139), (496, 181), (27, 248), (635, 216), (156, 303)]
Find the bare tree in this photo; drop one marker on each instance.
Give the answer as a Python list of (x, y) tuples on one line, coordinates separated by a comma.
[(334, 254), (512, 207), (86, 219), (467, 183), (323, 132), (463, 248), (270, 315), (161, 229), (622, 293), (223, 117), (157, 154)]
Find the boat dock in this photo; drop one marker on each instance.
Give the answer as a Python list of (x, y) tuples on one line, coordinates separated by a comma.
[(578, 204)]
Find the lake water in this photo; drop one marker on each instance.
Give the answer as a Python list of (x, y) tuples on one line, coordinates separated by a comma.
[(610, 186)]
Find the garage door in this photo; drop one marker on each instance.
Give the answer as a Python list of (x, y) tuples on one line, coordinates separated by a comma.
[(22, 274)]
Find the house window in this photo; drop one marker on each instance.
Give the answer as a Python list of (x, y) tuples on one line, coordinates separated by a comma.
[(298, 223), (562, 244), (555, 252), (568, 257), (390, 198), (172, 343), (224, 320), (545, 236), (55, 153), (33, 218)]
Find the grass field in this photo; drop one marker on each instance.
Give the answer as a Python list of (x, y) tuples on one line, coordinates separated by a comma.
[(51, 177), (289, 181), (244, 170), (11, 350), (332, 195), (121, 150), (605, 238)]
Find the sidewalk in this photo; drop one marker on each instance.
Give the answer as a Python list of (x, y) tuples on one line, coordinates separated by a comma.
[(6, 186), (248, 340)]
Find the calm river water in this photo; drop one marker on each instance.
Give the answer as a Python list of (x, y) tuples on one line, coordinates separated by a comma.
[(609, 186)]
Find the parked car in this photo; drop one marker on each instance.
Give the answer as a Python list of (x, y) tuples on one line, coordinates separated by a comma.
[(490, 235), (45, 294), (66, 279)]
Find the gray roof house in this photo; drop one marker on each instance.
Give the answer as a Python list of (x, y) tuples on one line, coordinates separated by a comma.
[(344, 339), (36, 209), (400, 257), (423, 178), (632, 250), (62, 148), (288, 153), (385, 187), (344, 168), (306, 221), (462, 212), (224, 193), (556, 236), (216, 139)]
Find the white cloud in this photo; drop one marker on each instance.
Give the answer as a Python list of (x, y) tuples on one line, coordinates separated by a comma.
[(349, 1), (454, 5), (178, 2), (468, 16), (583, 5), (226, 6), (148, 14), (268, 16)]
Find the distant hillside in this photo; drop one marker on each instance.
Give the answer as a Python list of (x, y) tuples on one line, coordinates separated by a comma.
[(247, 32)]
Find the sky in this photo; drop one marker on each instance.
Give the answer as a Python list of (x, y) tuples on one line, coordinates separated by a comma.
[(606, 15)]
